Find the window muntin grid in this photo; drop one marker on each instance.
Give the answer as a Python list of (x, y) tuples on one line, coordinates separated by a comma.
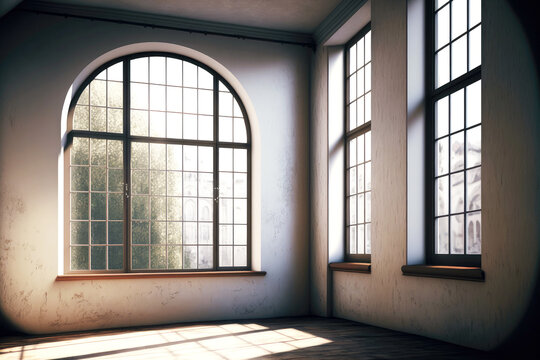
[(457, 39), (358, 146), (164, 204), (457, 128)]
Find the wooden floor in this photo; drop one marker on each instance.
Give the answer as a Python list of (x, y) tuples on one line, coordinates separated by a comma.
[(284, 338)]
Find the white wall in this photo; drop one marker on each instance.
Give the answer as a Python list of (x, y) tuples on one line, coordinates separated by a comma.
[(40, 57), (476, 314)]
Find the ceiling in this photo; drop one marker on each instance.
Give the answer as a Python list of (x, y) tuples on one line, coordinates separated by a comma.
[(287, 15)]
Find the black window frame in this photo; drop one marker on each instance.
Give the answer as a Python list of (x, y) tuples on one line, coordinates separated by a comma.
[(347, 137), (433, 94), (128, 139)]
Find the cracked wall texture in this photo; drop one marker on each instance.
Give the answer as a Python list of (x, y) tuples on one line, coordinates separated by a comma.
[(40, 57), (480, 315)]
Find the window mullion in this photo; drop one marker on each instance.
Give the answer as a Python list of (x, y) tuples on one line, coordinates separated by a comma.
[(215, 218), (127, 167)]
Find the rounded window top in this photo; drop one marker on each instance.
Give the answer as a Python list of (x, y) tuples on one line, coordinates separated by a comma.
[(160, 95)]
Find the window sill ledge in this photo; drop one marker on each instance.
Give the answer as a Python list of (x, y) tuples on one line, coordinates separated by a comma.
[(351, 267), (111, 276), (445, 272)]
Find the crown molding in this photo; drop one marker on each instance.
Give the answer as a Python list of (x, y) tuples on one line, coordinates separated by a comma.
[(343, 12), (167, 22)]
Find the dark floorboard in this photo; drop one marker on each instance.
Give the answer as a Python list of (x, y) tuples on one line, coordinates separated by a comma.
[(282, 338)]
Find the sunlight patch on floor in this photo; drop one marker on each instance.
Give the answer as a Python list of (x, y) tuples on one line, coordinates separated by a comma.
[(228, 341)]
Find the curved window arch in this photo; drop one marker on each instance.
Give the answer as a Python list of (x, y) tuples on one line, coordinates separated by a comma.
[(157, 169)]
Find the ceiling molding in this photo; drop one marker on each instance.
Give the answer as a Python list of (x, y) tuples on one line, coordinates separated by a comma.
[(168, 22), (336, 19)]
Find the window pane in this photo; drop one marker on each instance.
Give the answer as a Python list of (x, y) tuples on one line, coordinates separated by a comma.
[(367, 235), (441, 235), (368, 47), (98, 93), (442, 27), (79, 206), (116, 232), (361, 179), (174, 99), (190, 101), (459, 57), (116, 72), (442, 67), (114, 94), (459, 17), (139, 69), (240, 256), (240, 234), (79, 258), (441, 198), (206, 80), (158, 258), (474, 233), (157, 124), (441, 117), (457, 196), (351, 178), (190, 74), (98, 118), (474, 103), (360, 244), (81, 117), (352, 240), (456, 234), (475, 12), (115, 120), (225, 256), (116, 257), (441, 156), (474, 146), (475, 48), (456, 152), (474, 194), (140, 257), (190, 257), (240, 130), (139, 122), (139, 96), (157, 70), (360, 47), (206, 102), (79, 178), (79, 232), (174, 257), (174, 72), (352, 152), (98, 257), (352, 59), (240, 160)]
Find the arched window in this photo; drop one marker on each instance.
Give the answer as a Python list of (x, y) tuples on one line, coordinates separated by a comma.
[(157, 169)]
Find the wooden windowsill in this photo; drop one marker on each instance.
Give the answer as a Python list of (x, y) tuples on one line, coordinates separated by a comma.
[(151, 275), (445, 272), (351, 267)]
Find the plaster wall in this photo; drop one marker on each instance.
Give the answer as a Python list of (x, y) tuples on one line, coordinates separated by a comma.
[(476, 314), (318, 184), (40, 58)]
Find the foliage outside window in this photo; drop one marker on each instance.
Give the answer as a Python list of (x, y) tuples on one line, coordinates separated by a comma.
[(157, 168)]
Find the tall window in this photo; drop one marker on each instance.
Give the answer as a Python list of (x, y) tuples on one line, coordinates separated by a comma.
[(358, 146), (454, 138), (157, 169)]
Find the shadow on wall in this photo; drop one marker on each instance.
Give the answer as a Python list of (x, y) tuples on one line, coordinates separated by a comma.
[(523, 342)]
